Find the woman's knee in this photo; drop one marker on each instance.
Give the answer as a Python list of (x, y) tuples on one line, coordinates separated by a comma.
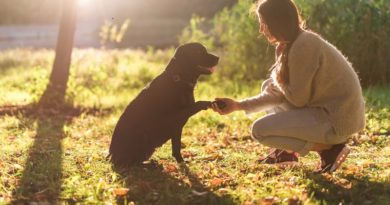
[(258, 131)]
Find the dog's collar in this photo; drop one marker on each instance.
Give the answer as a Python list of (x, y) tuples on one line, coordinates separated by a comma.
[(176, 78)]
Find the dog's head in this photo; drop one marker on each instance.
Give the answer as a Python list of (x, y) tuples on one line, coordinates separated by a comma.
[(195, 57)]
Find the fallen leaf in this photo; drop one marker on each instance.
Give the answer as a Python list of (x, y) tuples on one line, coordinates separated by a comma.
[(270, 200), (214, 156), (226, 141), (40, 197), (5, 199), (210, 149), (120, 191), (352, 169), (170, 168), (162, 161), (345, 183), (247, 203), (304, 195), (294, 201), (216, 182), (17, 166), (188, 154), (223, 190), (252, 176)]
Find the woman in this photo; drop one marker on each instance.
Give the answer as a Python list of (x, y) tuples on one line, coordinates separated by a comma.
[(313, 97)]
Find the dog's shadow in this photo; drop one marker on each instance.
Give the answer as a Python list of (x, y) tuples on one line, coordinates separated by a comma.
[(152, 184)]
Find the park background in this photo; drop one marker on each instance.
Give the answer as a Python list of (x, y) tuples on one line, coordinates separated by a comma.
[(53, 146)]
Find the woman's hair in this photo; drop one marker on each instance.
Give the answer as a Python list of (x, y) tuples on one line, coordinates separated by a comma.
[(283, 22)]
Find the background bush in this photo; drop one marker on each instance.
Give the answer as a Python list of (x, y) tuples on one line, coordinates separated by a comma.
[(359, 28)]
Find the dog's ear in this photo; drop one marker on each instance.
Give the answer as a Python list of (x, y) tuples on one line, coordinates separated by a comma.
[(190, 52), (195, 55)]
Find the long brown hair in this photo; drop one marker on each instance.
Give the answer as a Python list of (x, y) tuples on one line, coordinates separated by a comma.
[(283, 22)]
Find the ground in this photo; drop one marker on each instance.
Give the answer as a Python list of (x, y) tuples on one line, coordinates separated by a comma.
[(50, 155)]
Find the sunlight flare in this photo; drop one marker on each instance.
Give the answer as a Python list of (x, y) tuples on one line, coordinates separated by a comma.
[(84, 3)]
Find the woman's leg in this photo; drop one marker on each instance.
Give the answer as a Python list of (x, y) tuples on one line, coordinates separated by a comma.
[(299, 130)]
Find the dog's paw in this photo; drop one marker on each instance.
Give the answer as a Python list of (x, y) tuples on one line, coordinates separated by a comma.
[(221, 104), (203, 105)]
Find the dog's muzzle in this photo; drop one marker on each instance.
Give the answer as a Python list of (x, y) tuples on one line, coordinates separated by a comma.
[(211, 61)]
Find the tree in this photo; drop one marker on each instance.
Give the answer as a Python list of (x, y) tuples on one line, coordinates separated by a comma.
[(55, 91)]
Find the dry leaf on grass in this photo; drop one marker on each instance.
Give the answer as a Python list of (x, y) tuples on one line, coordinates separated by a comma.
[(188, 154), (247, 203), (223, 190), (216, 182), (210, 149), (170, 168), (120, 191), (17, 166), (270, 200), (344, 183), (294, 201)]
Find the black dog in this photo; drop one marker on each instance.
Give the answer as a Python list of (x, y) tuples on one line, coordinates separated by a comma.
[(162, 108)]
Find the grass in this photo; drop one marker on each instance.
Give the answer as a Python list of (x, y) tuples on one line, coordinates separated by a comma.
[(58, 155)]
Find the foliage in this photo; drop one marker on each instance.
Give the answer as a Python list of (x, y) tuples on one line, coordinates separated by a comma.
[(245, 55), (360, 29), (111, 33), (58, 156), (194, 33)]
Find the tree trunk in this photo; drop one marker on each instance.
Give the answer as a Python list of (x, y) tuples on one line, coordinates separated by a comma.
[(60, 72)]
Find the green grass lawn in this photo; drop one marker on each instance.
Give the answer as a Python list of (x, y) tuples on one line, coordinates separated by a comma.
[(58, 155)]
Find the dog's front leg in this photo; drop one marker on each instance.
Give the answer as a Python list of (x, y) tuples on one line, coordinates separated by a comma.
[(181, 118), (198, 106), (176, 146)]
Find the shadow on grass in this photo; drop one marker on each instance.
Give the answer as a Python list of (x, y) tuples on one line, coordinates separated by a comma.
[(154, 184), (42, 174), (348, 189)]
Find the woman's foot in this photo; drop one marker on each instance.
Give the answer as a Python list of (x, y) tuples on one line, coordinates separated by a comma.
[(278, 156), (332, 158)]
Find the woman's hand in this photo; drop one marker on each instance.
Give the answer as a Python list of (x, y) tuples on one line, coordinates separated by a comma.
[(231, 106)]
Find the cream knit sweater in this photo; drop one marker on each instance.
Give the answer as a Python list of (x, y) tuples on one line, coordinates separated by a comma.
[(319, 76)]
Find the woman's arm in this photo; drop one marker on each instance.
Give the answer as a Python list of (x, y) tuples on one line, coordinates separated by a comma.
[(268, 98)]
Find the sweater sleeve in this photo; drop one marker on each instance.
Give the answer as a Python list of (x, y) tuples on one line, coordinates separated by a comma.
[(269, 97), (303, 62)]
